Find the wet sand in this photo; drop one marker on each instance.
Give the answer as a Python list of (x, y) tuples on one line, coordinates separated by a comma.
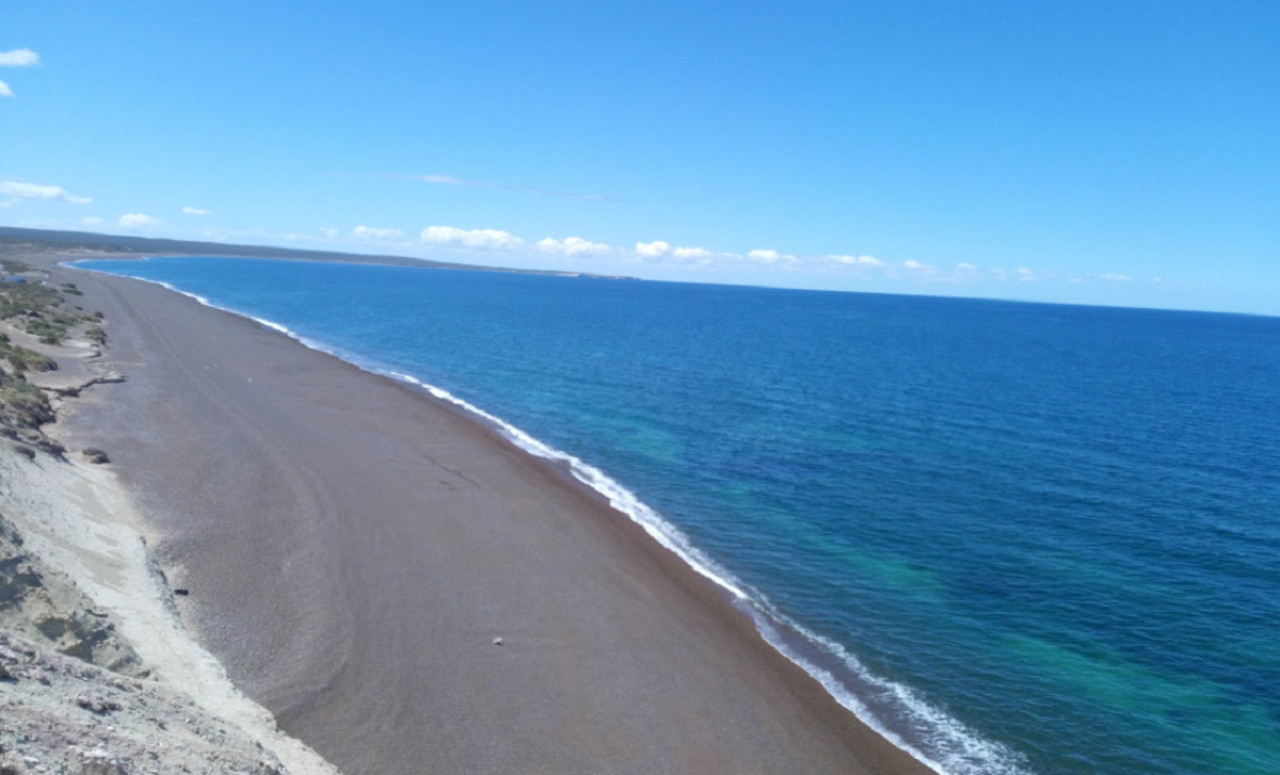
[(353, 547)]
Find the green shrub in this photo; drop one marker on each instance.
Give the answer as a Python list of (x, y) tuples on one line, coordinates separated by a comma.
[(26, 299), (49, 333), (26, 404), (23, 359)]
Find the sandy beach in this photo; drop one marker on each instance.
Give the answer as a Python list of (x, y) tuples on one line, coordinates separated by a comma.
[(353, 548)]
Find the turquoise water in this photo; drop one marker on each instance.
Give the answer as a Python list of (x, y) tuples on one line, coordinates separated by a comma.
[(1015, 537)]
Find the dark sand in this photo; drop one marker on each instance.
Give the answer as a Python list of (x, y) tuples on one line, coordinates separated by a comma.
[(352, 547)]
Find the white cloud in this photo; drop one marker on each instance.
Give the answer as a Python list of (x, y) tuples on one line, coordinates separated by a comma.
[(573, 246), (5, 91), (1025, 275), (368, 232), (194, 211), (472, 238), (770, 257), (330, 233), (19, 57), (655, 249), (856, 260), (38, 191), (138, 220), (92, 221), (1117, 278), (965, 266), (692, 254), (658, 250)]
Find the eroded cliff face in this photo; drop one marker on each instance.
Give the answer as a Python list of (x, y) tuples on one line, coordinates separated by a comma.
[(45, 607), (75, 696), (64, 716)]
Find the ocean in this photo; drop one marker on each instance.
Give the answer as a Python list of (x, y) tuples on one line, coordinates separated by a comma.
[(1015, 538)]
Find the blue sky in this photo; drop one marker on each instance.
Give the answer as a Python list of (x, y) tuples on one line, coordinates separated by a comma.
[(1094, 152)]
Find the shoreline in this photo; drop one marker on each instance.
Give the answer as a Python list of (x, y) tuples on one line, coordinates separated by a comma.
[(826, 662), (873, 753)]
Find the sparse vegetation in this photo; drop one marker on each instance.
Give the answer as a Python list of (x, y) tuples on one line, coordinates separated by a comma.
[(27, 299), (22, 360), (22, 404), (15, 267), (42, 311), (47, 332)]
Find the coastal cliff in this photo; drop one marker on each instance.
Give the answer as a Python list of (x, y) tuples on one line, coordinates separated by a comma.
[(97, 673)]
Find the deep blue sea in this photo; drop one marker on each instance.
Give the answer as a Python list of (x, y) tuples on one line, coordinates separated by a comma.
[(1017, 538)]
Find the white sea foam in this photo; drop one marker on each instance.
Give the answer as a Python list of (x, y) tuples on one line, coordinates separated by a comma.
[(953, 748), (274, 326)]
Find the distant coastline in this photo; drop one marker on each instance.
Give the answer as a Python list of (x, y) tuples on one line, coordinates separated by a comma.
[(121, 246)]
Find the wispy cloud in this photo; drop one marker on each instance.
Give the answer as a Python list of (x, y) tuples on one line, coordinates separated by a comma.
[(194, 211), (470, 238), (1116, 278), (19, 57), (138, 221), (92, 221), (443, 180), (5, 91), (370, 233), (452, 180), (39, 191)]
